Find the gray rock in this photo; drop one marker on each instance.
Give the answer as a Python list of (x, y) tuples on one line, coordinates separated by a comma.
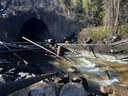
[(2, 79), (42, 89), (73, 89)]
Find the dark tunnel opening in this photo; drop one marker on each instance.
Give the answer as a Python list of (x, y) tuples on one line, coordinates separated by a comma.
[(33, 29)]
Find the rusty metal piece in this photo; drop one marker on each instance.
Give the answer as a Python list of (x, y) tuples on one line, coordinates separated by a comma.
[(10, 87)]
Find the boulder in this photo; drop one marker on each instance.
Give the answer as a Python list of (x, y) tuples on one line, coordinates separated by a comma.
[(42, 89), (73, 89)]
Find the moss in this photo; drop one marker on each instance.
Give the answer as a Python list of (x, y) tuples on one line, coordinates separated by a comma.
[(101, 32), (96, 33), (123, 31)]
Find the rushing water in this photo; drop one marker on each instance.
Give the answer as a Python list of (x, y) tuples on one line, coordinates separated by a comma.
[(93, 68)]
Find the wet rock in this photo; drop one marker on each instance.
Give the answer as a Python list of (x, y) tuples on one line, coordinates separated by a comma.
[(22, 92), (72, 69), (42, 89), (38, 89), (22, 75), (65, 79), (2, 79), (56, 79), (81, 80), (120, 90), (115, 90), (106, 89), (73, 89)]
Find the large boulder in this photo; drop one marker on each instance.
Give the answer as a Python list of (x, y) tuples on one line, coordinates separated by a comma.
[(73, 89), (42, 89)]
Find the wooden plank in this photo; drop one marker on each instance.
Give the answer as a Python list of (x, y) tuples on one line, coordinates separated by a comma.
[(97, 47), (120, 47)]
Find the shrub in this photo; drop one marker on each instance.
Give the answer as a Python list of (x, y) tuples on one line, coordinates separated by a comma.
[(123, 31)]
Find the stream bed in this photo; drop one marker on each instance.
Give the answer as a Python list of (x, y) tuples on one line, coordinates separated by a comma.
[(93, 68)]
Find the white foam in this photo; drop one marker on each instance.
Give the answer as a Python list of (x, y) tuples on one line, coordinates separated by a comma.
[(87, 66)]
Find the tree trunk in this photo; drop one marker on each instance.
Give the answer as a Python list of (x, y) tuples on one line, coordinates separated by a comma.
[(117, 16), (111, 18)]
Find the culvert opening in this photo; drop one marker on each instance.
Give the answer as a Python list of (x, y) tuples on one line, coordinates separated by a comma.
[(33, 29)]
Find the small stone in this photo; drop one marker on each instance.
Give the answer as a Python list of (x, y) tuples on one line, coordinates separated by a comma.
[(56, 79), (106, 89), (72, 69), (81, 80)]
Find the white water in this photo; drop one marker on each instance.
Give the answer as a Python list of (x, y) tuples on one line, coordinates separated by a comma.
[(112, 58), (90, 70)]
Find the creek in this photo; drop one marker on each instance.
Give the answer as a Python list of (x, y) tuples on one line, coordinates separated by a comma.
[(93, 68)]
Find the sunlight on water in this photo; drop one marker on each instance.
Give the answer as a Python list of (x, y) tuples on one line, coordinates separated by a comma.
[(93, 68)]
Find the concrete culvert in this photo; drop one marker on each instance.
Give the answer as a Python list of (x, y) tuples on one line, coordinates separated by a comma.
[(33, 29)]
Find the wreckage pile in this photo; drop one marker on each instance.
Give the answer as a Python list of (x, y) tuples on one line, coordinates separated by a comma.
[(16, 67), (29, 73), (51, 86)]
